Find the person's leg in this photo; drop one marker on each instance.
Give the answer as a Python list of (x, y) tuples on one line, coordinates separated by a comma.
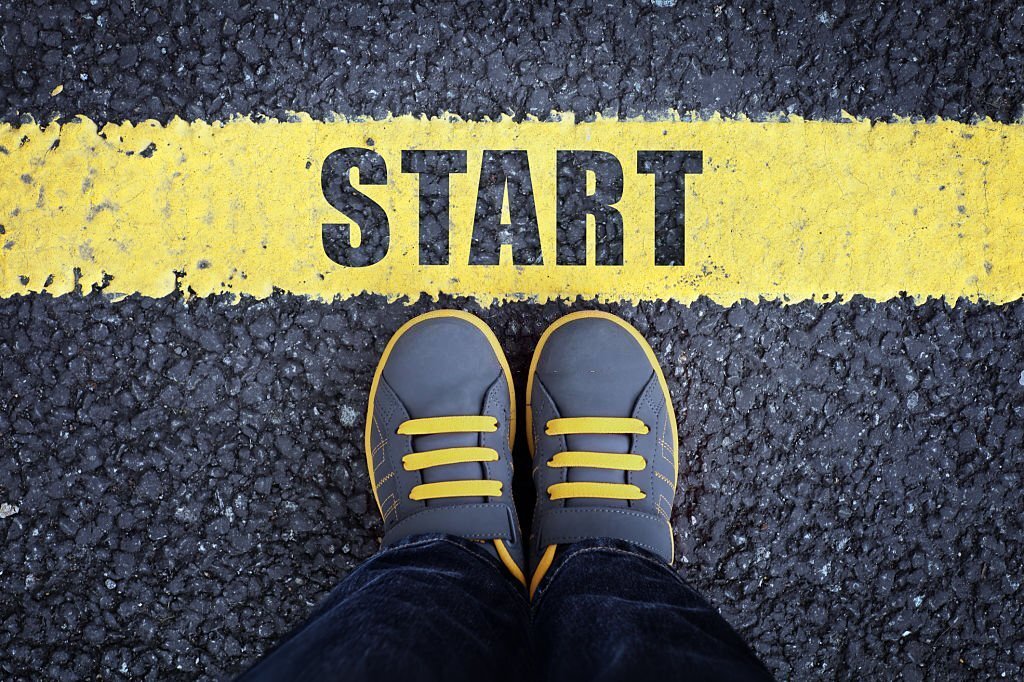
[(603, 435), (608, 610), (428, 608)]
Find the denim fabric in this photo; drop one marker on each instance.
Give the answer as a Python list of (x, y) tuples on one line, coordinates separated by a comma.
[(428, 608), (607, 610), (443, 608)]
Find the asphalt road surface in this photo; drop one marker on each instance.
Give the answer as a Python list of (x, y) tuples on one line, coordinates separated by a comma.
[(182, 479)]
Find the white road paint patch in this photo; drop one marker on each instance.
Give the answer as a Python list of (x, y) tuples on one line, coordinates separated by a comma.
[(349, 416)]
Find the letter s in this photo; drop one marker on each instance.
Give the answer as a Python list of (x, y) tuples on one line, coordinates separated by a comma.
[(374, 229)]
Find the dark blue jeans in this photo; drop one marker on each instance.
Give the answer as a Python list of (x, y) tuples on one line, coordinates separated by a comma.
[(442, 608)]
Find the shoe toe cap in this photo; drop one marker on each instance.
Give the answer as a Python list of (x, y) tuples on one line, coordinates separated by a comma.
[(594, 366), (442, 366)]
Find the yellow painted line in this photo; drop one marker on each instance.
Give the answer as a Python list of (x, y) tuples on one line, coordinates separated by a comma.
[(791, 210)]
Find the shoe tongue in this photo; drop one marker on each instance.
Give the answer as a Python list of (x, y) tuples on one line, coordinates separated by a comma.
[(599, 442), (444, 440)]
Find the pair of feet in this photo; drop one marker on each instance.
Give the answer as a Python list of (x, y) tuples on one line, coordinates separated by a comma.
[(599, 421)]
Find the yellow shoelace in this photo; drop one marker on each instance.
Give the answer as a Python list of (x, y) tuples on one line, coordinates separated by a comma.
[(598, 460), (415, 461)]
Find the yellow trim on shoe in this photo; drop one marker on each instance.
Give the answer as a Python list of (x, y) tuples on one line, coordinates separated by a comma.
[(604, 491), (542, 567), (549, 553), (427, 426), (571, 425), (598, 460), (433, 491), (509, 562), (415, 461)]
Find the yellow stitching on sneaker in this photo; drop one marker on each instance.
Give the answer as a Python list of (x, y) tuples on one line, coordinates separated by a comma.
[(662, 477)]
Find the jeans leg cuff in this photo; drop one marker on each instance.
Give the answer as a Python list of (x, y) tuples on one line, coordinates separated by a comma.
[(580, 549)]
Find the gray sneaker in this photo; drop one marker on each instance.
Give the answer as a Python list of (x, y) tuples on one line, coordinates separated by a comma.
[(603, 437), (439, 432)]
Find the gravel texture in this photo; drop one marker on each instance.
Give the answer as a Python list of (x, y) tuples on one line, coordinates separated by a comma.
[(187, 479), (181, 481), (125, 60)]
